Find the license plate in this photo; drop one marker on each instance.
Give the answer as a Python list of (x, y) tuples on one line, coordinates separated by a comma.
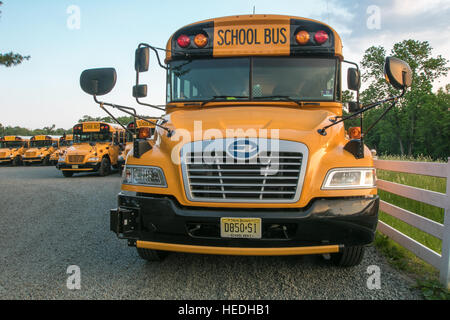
[(75, 167), (249, 228)]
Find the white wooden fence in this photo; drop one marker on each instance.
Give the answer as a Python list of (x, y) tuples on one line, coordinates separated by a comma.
[(441, 231)]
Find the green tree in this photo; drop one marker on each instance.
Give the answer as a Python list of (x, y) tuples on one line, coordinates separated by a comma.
[(124, 120), (11, 59), (400, 132)]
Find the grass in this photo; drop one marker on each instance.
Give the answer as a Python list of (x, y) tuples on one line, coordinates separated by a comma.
[(426, 275)]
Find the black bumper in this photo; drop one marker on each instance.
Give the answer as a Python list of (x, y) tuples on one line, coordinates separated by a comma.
[(93, 166), (35, 159), (334, 221)]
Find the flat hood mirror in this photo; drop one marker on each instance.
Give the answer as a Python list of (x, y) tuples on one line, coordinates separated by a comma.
[(98, 81)]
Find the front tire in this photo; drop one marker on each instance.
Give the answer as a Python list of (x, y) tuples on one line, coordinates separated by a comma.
[(46, 161), (348, 257), (152, 255), (67, 174), (16, 161), (105, 167)]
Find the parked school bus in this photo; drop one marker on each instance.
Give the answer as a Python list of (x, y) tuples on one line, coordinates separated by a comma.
[(252, 157), (12, 148), (40, 150), (64, 142), (142, 129), (96, 148)]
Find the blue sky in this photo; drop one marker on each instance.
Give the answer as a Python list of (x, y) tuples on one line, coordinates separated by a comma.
[(45, 90)]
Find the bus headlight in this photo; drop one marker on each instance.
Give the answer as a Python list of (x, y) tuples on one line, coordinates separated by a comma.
[(94, 159), (62, 159), (145, 176), (350, 178)]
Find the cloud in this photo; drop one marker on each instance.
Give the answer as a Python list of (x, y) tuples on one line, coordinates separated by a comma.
[(362, 24)]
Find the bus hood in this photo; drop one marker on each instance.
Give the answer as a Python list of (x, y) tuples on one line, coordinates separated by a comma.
[(5, 152), (86, 148), (271, 122), (32, 152)]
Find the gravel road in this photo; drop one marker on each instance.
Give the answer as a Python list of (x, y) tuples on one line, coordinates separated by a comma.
[(49, 222)]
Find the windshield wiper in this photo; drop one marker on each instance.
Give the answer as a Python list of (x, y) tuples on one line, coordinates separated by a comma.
[(214, 98), (287, 98)]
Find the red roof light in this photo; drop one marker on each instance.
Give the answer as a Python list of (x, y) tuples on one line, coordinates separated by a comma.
[(183, 41), (321, 37)]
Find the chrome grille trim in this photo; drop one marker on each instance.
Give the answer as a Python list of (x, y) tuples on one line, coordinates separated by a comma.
[(217, 179)]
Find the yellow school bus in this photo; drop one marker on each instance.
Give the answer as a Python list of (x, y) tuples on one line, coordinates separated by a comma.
[(142, 129), (12, 148), (96, 148), (251, 157), (64, 142), (40, 150)]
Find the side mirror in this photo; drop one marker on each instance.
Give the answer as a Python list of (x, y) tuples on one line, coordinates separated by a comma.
[(353, 79), (398, 73), (353, 106), (140, 91), (142, 58), (98, 81)]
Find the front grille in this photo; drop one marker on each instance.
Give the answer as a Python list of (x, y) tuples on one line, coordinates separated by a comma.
[(30, 154), (75, 159), (269, 177)]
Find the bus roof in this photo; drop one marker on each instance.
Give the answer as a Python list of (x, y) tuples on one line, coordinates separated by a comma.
[(14, 138), (44, 137), (255, 35), (94, 126), (66, 137), (141, 123)]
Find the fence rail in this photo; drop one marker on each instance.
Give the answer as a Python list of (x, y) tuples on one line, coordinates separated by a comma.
[(441, 200)]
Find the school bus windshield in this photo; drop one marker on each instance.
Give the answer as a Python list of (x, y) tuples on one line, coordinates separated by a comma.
[(41, 143), (11, 144), (92, 137), (66, 143), (306, 79)]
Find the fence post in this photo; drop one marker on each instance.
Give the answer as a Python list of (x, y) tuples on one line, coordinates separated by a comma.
[(445, 257)]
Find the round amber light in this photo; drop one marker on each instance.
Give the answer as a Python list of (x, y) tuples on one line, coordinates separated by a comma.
[(201, 40), (302, 37)]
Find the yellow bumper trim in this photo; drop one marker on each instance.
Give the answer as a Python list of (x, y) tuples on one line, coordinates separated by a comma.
[(84, 169), (237, 251)]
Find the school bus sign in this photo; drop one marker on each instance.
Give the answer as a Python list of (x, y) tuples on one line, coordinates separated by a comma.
[(252, 39)]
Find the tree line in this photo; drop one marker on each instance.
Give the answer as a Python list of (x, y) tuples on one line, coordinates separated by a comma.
[(420, 123), (52, 130)]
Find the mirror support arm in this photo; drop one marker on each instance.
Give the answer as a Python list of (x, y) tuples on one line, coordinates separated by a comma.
[(156, 53), (364, 109), (137, 74), (357, 92), (101, 104), (124, 109)]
